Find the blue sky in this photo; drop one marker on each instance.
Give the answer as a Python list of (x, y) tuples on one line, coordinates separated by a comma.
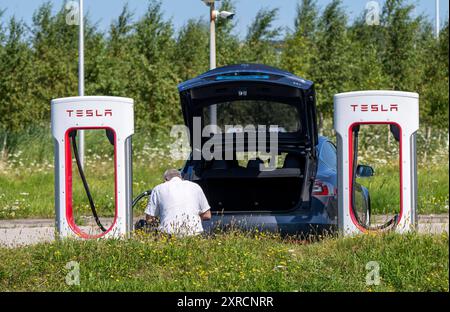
[(104, 11)]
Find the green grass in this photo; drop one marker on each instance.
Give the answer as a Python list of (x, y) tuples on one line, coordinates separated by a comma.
[(227, 262), (28, 192), (231, 262), (27, 182), (27, 186), (384, 189)]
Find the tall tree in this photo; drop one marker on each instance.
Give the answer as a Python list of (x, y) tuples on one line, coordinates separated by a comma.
[(260, 43), (399, 55), (120, 60), (331, 71), (365, 62), (16, 101), (55, 57), (434, 79), (2, 30), (145, 59), (299, 46), (227, 42), (192, 49), (306, 18), (157, 104)]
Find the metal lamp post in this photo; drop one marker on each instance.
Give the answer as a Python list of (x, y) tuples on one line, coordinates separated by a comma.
[(212, 56), (438, 26), (81, 75), (213, 15)]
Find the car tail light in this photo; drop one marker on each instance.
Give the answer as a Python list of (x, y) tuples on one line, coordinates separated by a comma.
[(320, 189)]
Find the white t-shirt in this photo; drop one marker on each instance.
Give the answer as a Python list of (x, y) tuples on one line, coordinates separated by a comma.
[(178, 204)]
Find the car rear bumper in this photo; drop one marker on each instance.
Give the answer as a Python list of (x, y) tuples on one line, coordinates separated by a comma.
[(289, 223)]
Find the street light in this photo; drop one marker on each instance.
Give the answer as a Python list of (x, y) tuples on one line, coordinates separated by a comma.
[(437, 21), (81, 75), (213, 15)]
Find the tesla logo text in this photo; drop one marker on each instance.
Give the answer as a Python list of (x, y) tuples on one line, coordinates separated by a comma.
[(89, 112), (375, 107)]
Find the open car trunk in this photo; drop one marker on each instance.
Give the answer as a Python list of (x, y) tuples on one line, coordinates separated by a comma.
[(252, 95), (252, 190)]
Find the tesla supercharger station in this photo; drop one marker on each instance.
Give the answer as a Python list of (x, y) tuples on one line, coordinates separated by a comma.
[(401, 111), (114, 114)]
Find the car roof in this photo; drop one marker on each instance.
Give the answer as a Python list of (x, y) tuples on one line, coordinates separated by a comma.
[(283, 77)]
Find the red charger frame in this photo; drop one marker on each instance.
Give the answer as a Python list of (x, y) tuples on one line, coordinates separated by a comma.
[(69, 199), (350, 153)]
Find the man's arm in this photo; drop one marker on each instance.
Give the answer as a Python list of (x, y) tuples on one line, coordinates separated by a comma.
[(206, 215), (152, 210), (205, 209)]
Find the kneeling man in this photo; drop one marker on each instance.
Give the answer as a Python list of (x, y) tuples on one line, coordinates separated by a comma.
[(180, 205)]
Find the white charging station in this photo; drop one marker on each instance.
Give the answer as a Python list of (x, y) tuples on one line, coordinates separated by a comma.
[(399, 109), (114, 114)]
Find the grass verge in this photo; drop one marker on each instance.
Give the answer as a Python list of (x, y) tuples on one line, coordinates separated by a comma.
[(432, 197), (231, 262), (27, 178), (28, 192)]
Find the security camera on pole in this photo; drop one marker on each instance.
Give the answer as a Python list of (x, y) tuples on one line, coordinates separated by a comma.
[(214, 14)]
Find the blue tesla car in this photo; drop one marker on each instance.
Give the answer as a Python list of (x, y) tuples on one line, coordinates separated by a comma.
[(291, 190)]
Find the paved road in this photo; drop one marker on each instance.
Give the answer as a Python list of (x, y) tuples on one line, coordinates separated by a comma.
[(15, 233)]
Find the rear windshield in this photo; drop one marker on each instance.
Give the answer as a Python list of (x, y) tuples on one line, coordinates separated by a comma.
[(275, 116)]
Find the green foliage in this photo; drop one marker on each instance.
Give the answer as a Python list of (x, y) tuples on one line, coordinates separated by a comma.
[(230, 262), (366, 70), (434, 79), (299, 47), (331, 71), (192, 49), (157, 107), (384, 189), (15, 80), (27, 181), (228, 45), (54, 53), (260, 46), (306, 19), (143, 58), (27, 185), (399, 38)]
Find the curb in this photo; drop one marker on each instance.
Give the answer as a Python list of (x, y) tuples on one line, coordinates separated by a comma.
[(38, 223)]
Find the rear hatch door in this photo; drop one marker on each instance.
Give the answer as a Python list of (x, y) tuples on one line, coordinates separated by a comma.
[(252, 94), (264, 89)]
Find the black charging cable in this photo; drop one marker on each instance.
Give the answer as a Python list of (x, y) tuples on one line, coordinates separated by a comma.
[(73, 136), (140, 196)]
